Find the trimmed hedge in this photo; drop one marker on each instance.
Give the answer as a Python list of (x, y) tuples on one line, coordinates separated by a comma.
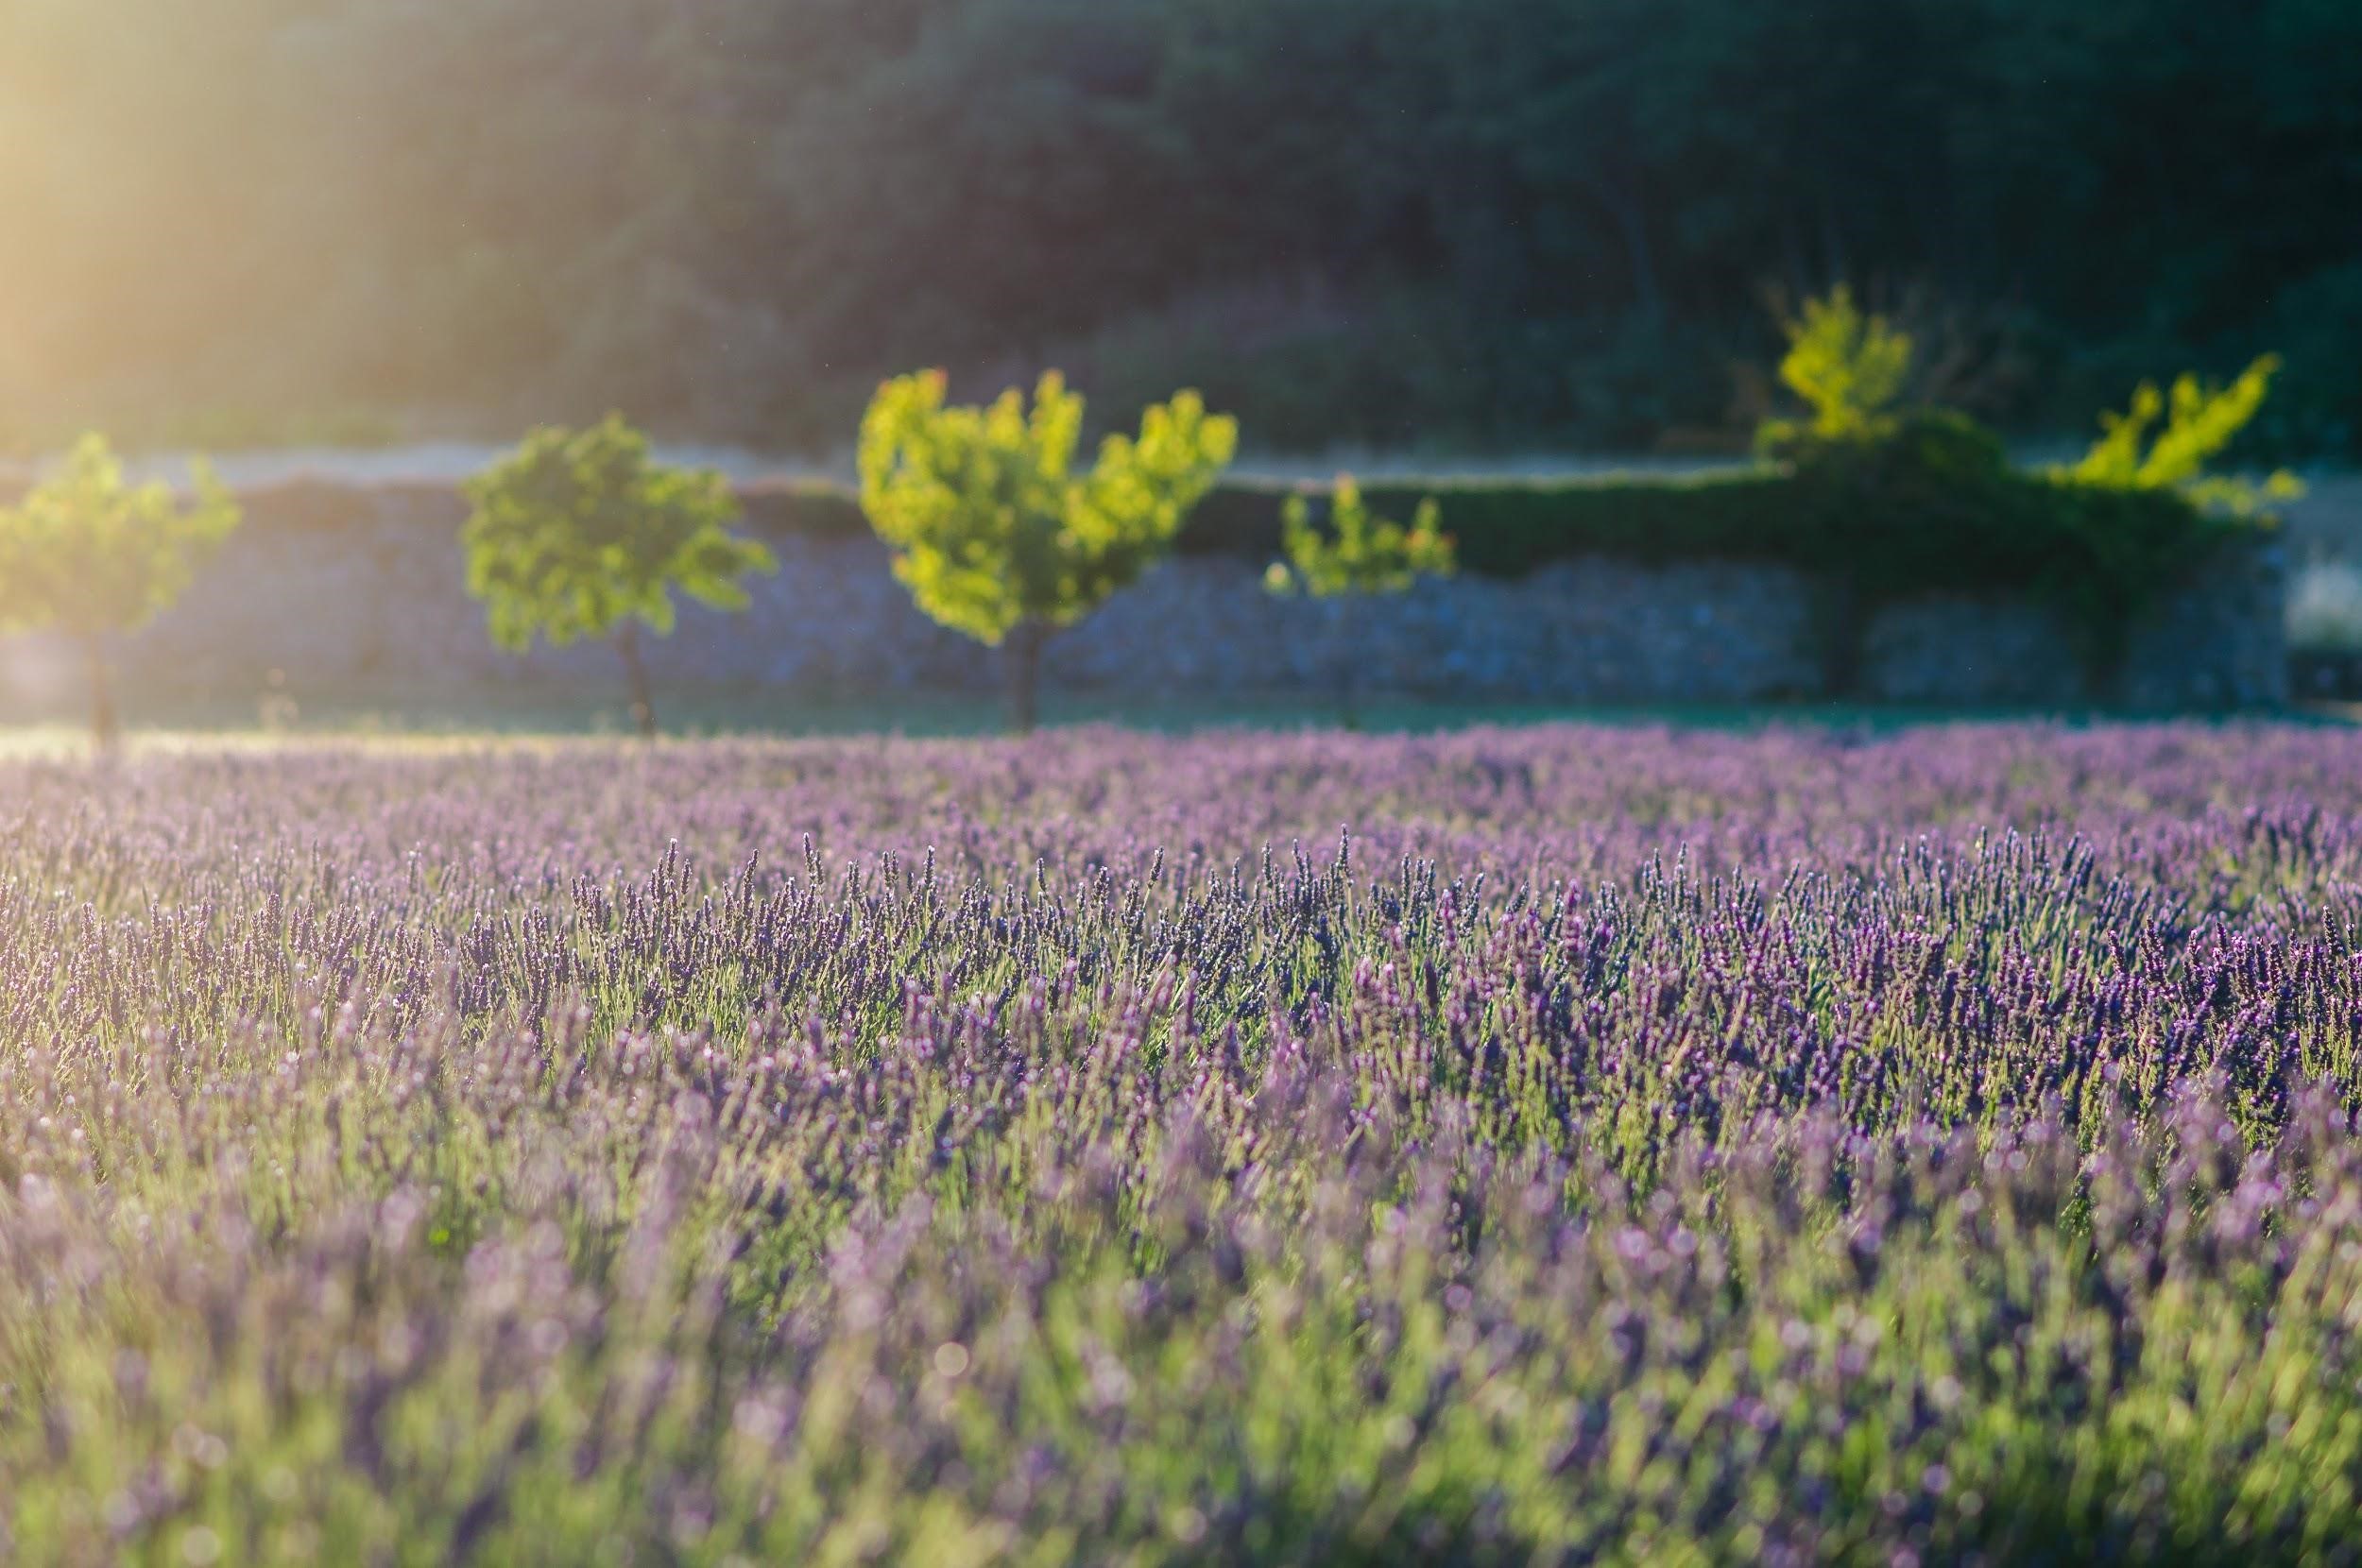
[(1507, 528), (1504, 528)]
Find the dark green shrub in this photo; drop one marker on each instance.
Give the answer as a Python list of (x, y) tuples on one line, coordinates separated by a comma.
[(1932, 503)]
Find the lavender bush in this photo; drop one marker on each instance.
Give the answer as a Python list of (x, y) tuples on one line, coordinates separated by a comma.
[(1565, 1144)]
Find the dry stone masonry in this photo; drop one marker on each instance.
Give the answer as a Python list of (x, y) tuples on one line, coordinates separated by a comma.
[(357, 591)]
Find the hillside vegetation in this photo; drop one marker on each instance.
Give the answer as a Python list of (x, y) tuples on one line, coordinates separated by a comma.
[(1464, 223)]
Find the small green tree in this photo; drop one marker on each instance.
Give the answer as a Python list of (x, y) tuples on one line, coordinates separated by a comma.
[(88, 554), (582, 534), (1362, 555), (995, 534), (2200, 421), (1850, 368)]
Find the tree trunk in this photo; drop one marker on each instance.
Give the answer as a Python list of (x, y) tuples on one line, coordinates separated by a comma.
[(642, 704), (1348, 665), (105, 727), (1024, 657), (1841, 616)]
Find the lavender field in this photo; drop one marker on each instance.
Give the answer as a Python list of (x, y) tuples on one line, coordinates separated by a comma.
[(1560, 1145)]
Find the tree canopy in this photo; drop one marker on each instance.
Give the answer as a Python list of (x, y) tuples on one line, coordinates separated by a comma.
[(994, 530), (580, 533), (1469, 221), (1850, 368), (91, 554), (577, 532), (2135, 452), (991, 525)]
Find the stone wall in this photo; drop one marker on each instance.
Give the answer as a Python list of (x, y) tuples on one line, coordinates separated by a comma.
[(330, 590), (2217, 642)]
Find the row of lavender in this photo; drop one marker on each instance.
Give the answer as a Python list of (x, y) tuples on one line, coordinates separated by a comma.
[(1620, 1146)]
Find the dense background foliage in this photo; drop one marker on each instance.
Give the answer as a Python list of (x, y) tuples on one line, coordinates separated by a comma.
[(1627, 1147), (1467, 221)]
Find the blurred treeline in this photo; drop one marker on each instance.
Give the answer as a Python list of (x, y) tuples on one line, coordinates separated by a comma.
[(1468, 223)]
